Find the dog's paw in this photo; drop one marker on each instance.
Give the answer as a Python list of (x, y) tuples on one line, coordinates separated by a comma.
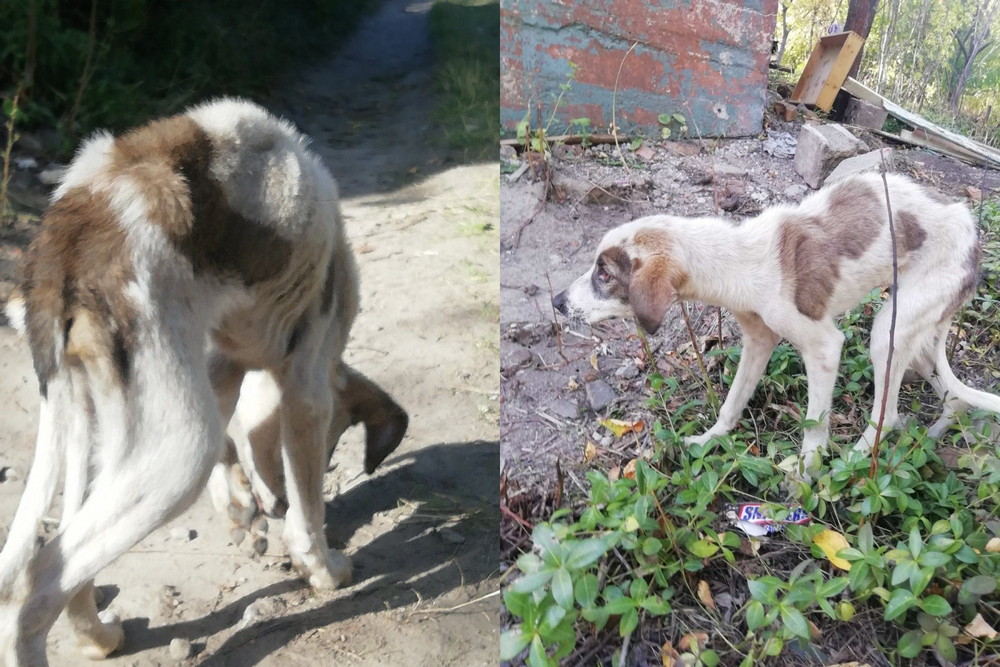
[(698, 439), (335, 573), (102, 640)]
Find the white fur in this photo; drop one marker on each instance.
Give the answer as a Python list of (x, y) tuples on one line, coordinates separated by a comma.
[(739, 268), (156, 442)]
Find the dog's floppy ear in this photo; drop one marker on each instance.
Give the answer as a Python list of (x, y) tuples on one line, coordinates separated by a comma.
[(651, 291)]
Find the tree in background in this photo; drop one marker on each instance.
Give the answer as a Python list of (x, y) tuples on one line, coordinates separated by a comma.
[(860, 17), (970, 41)]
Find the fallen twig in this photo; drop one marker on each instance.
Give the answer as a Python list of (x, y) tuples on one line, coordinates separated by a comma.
[(701, 363), (568, 139), (458, 606), (506, 510), (614, 102)]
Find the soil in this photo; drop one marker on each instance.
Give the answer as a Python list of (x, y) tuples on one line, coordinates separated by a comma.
[(548, 381), (422, 531)]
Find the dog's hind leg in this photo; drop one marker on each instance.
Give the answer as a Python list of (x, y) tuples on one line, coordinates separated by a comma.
[(97, 634), (925, 366), (916, 328), (759, 342), (158, 443)]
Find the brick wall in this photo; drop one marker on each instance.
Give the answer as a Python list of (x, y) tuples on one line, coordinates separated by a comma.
[(709, 55)]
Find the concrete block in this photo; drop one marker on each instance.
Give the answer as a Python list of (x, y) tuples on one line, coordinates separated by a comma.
[(821, 148), (865, 114), (861, 164)]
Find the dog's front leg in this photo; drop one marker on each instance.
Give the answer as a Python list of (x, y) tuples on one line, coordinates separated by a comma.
[(759, 342), (306, 414), (821, 353)]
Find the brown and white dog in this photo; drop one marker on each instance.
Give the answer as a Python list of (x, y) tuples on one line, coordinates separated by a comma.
[(788, 273), (171, 261)]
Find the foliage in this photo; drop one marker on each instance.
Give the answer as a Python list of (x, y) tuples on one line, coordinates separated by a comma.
[(910, 56), (151, 58), (466, 39)]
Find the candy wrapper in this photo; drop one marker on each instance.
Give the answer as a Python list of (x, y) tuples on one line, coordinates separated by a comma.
[(753, 519)]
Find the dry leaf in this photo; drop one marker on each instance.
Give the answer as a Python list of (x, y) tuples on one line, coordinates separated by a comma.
[(629, 471), (669, 655), (589, 452), (980, 628), (593, 361), (705, 594), (573, 384), (364, 249), (814, 632), (701, 638), (749, 547), (830, 541), (620, 427), (614, 474), (993, 546)]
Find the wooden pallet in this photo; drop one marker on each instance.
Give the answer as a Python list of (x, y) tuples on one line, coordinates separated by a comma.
[(827, 69)]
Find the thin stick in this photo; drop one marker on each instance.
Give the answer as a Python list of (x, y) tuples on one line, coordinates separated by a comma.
[(458, 606), (506, 510), (614, 106), (87, 70), (555, 320), (697, 353), (722, 364), (892, 323)]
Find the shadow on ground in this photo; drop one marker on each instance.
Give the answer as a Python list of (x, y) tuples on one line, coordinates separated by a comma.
[(451, 484)]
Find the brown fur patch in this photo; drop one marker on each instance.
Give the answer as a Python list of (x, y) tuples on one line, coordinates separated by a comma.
[(810, 249), (614, 263), (75, 274), (169, 160), (855, 213), (911, 233), (653, 241)]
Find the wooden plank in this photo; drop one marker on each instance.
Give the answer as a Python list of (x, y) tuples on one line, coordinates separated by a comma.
[(841, 67), (826, 70), (922, 142), (940, 142), (862, 92)]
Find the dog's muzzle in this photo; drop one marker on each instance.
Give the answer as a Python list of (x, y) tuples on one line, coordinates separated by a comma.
[(559, 302)]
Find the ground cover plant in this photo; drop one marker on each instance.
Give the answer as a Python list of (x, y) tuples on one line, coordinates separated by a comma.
[(644, 566)]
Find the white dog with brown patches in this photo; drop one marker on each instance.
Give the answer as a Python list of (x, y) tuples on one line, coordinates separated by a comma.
[(171, 261), (788, 273)]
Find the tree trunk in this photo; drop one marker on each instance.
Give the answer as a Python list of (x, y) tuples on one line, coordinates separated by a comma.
[(971, 44), (784, 31), (860, 16)]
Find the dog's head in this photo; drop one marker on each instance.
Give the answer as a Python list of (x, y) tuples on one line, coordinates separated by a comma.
[(634, 273)]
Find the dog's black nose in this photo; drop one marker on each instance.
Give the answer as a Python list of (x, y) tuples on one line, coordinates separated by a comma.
[(559, 302)]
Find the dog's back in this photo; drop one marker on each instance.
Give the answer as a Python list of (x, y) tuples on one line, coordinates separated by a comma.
[(219, 211)]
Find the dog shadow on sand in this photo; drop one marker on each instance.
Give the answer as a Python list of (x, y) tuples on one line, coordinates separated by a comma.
[(464, 476)]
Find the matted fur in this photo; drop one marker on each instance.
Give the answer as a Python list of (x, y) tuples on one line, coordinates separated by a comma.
[(791, 270), (172, 260)]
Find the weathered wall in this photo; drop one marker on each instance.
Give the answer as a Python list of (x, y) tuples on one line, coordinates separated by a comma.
[(704, 59)]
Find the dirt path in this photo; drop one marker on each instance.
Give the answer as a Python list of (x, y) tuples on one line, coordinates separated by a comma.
[(422, 532)]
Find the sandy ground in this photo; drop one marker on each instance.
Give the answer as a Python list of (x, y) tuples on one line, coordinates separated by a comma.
[(422, 532), (553, 397)]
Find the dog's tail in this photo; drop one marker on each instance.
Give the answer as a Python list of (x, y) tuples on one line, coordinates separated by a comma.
[(38, 309), (955, 387)]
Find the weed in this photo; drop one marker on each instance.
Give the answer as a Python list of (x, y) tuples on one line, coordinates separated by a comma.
[(12, 113), (466, 37)]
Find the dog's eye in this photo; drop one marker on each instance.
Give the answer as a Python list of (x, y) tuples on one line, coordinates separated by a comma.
[(603, 275)]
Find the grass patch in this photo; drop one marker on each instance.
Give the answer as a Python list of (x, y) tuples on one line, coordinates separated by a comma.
[(898, 568), (129, 60), (466, 39)]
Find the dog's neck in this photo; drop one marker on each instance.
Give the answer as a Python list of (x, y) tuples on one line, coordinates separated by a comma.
[(723, 262)]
